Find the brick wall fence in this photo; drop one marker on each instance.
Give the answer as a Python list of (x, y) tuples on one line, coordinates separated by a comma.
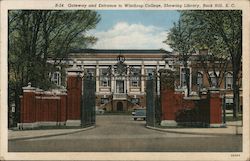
[(204, 110), (56, 107), (63, 107)]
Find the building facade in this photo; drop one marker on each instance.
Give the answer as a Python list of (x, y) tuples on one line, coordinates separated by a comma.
[(121, 75)]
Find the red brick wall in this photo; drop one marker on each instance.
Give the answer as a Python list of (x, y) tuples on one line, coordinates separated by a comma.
[(50, 107), (40, 107), (206, 110), (29, 107), (63, 109), (74, 89), (52, 110), (215, 108), (171, 103)]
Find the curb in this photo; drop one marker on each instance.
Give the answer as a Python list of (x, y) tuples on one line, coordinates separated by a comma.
[(182, 132), (50, 135)]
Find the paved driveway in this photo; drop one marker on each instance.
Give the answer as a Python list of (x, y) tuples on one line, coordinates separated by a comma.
[(119, 133)]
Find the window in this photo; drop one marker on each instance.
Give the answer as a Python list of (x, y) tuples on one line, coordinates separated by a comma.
[(150, 72), (105, 81), (229, 80), (135, 82), (200, 79), (213, 79), (104, 78), (56, 78), (182, 75), (135, 78), (90, 71)]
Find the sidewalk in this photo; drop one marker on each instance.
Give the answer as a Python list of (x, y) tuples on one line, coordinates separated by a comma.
[(233, 128), (30, 134)]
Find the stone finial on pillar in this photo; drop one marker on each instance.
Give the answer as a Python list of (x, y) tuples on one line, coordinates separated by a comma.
[(29, 88), (74, 70)]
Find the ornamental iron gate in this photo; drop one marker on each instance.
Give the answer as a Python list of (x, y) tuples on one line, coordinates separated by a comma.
[(153, 110), (88, 101)]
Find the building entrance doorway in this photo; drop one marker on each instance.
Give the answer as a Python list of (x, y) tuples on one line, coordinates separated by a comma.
[(119, 106)]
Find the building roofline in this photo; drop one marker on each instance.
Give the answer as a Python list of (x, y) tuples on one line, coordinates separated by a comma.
[(120, 51)]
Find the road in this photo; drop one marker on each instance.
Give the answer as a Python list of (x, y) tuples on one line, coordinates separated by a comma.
[(119, 133)]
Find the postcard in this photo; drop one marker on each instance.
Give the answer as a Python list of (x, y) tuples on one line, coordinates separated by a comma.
[(124, 80)]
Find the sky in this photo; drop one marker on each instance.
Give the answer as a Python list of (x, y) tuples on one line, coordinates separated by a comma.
[(133, 29)]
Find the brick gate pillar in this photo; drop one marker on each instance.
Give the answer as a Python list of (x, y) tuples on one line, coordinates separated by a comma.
[(28, 108), (215, 103), (74, 95), (167, 94)]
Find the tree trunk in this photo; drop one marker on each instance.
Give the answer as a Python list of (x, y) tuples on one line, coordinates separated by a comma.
[(17, 104), (187, 77), (236, 95)]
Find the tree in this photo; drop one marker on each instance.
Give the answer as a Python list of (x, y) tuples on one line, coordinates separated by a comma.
[(226, 27), (221, 32), (37, 36), (179, 39)]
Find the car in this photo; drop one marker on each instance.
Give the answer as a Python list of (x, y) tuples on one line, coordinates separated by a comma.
[(99, 111), (139, 113)]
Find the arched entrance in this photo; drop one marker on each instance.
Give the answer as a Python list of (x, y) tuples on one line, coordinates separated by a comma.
[(119, 106)]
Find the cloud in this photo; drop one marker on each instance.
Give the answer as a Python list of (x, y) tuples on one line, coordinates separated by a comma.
[(131, 36)]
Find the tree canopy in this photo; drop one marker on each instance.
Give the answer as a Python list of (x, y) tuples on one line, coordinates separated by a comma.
[(219, 31), (36, 36)]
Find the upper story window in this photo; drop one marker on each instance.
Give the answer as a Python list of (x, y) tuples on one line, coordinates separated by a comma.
[(104, 77), (135, 77), (213, 79), (90, 71), (183, 78), (200, 79), (229, 80), (56, 78), (149, 72)]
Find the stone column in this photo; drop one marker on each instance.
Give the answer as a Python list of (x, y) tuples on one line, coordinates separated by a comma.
[(142, 78), (97, 77), (28, 108), (112, 87), (167, 92), (215, 102), (112, 80), (128, 80), (74, 95), (157, 79)]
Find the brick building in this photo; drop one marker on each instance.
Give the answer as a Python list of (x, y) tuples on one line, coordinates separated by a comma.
[(125, 92)]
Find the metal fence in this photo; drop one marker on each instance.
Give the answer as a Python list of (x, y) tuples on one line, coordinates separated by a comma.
[(153, 110), (88, 101)]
